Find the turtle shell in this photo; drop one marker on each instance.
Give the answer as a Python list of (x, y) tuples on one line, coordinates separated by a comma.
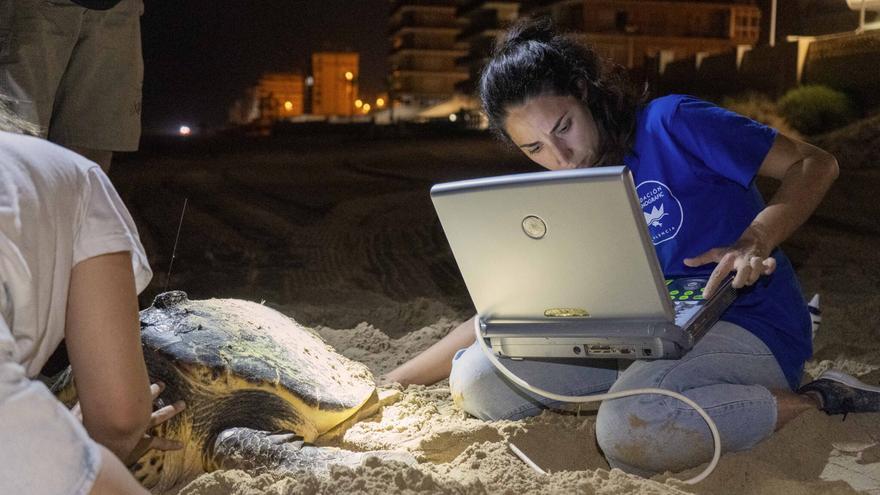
[(225, 346)]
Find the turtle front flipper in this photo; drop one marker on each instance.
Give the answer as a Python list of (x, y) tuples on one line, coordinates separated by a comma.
[(247, 449)]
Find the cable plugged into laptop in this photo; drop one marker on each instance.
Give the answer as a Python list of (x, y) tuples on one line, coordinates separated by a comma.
[(716, 436)]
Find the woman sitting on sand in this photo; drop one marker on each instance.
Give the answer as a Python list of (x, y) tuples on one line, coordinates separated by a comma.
[(71, 265), (551, 98)]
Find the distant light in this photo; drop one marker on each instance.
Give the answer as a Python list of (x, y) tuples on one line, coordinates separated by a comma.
[(349, 76), (184, 130), (288, 105), (366, 107), (310, 81), (358, 103), (453, 117), (380, 102)]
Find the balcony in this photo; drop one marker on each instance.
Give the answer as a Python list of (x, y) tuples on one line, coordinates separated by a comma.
[(397, 5), (530, 6), (438, 43), (485, 21), (422, 20), (472, 61), (469, 7)]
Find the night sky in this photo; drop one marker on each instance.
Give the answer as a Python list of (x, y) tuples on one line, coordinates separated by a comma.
[(200, 55)]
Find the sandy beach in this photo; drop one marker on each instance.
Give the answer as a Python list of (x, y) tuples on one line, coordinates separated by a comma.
[(340, 235)]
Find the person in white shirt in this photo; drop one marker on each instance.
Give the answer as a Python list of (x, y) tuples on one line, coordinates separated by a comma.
[(71, 266)]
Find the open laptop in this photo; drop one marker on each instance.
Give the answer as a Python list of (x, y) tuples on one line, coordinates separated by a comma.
[(560, 265)]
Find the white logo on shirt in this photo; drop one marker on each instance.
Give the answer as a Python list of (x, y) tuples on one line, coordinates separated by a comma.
[(663, 212)]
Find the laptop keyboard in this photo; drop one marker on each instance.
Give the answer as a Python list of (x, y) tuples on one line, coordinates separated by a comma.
[(687, 297)]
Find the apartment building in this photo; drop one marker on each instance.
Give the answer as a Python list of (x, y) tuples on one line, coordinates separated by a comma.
[(276, 96), (335, 83), (483, 23), (628, 31), (424, 49)]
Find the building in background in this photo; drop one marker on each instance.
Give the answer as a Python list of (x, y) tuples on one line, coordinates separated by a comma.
[(813, 17), (483, 23), (629, 31), (334, 83), (567, 14), (276, 96), (424, 49)]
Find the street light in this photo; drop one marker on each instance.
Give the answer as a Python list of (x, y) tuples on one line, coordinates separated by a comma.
[(380, 102), (358, 103), (349, 90)]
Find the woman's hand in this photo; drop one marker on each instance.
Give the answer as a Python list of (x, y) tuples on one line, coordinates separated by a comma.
[(748, 258), (159, 416)]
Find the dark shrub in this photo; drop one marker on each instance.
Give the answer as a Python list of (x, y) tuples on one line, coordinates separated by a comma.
[(761, 108), (814, 109)]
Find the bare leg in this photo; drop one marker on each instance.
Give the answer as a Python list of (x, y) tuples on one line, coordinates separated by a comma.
[(435, 363), (114, 478), (789, 405), (101, 157)]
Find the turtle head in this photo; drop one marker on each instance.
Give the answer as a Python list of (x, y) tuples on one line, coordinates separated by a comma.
[(170, 299)]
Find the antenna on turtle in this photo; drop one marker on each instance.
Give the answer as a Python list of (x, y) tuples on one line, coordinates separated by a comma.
[(174, 249)]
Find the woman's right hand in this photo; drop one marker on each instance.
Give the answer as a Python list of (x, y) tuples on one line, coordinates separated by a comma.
[(159, 416)]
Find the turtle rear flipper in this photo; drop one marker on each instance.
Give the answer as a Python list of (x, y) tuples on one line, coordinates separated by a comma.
[(245, 448)]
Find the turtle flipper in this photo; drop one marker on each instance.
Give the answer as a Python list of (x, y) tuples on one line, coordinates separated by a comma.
[(248, 449)]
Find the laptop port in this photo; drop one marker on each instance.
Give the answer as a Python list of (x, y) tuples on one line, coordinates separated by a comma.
[(599, 349), (576, 349), (626, 350), (646, 352)]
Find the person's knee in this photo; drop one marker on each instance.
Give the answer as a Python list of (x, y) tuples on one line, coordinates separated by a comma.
[(620, 432), (467, 384), (478, 390), (645, 435)]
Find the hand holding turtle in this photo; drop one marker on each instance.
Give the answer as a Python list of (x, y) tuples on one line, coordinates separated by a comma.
[(158, 417), (747, 257)]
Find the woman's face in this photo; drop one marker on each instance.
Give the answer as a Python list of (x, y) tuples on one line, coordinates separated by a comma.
[(556, 132)]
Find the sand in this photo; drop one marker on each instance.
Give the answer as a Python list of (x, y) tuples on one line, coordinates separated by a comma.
[(460, 454), (354, 251)]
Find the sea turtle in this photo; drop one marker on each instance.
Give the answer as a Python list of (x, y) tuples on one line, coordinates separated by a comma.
[(259, 389)]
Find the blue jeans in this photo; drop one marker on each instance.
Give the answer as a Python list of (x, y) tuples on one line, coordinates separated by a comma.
[(729, 373)]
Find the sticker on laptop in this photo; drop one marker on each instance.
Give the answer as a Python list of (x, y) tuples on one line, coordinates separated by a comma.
[(566, 313)]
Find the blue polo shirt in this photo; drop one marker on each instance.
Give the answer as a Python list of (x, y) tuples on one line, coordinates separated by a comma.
[(694, 166)]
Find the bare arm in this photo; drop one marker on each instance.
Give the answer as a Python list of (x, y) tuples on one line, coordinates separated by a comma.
[(806, 173), (103, 340), (435, 363)]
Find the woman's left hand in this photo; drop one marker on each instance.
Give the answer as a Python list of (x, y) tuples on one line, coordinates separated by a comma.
[(746, 258)]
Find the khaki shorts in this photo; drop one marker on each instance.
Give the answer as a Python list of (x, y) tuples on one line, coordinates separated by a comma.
[(45, 450), (75, 72)]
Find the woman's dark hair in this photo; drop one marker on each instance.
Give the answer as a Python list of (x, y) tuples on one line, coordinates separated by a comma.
[(11, 122), (534, 59)]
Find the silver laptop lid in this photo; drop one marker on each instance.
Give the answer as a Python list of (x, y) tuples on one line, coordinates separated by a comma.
[(554, 245)]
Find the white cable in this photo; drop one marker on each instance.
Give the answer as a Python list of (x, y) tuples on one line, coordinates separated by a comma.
[(716, 436), (523, 457)]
